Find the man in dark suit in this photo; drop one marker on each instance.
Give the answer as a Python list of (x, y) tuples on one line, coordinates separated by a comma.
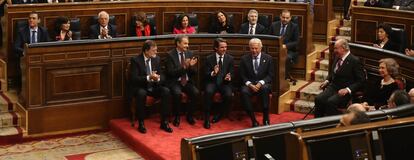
[(252, 27), (256, 72), (290, 33), (404, 5), (32, 33), (102, 30), (345, 77), (146, 80), (218, 78), (181, 67), (347, 4)]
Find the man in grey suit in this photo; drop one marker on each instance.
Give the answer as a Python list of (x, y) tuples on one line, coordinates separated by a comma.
[(256, 72)]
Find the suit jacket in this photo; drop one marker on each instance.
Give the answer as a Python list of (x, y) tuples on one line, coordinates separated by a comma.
[(265, 71), (405, 4), (228, 67), (389, 46), (94, 31), (23, 37), (260, 29), (291, 37), (174, 69), (350, 74)]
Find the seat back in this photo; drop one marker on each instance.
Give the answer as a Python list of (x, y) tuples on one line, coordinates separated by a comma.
[(75, 27), (192, 18), (399, 36)]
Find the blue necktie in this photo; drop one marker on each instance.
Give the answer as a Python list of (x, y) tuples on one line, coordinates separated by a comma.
[(256, 64), (33, 38), (283, 29)]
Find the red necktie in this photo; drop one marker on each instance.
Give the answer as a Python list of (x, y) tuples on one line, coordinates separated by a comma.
[(184, 76)]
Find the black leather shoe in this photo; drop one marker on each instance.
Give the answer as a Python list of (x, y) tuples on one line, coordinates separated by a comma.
[(255, 124), (206, 124), (164, 126), (266, 122), (176, 121), (190, 120), (141, 127), (216, 118)]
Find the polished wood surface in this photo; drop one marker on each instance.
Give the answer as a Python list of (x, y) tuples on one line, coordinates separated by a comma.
[(80, 84), (164, 11), (366, 19), (323, 13)]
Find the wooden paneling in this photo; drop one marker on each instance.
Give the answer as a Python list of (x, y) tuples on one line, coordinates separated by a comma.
[(366, 19), (164, 11), (323, 13), (91, 74)]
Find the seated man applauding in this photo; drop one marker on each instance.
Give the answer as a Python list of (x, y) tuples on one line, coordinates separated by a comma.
[(146, 80)]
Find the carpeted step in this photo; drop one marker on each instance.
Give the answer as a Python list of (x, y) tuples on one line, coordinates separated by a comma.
[(321, 64), (346, 23), (10, 135), (301, 106), (318, 75), (309, 91), (11, 119), (324, 54), (5, 104), (343, 31)]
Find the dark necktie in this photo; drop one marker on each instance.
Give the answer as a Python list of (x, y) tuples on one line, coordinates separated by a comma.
[(338, 64), (147, 66), (282, 30), (183, 77), (255, 64), (220, 74), (33, 38), (251, 29)]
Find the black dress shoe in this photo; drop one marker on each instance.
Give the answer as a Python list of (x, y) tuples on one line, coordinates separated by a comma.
[(141, 127), (164, 126), (176, 121), (266, 122), (206, 124), (216, 118), (255, 124), (190, 120)]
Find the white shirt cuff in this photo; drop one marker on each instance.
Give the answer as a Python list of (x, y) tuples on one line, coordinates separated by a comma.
[(212, 74), (248, 83), (262, 82), (349, 90), (148, 79)]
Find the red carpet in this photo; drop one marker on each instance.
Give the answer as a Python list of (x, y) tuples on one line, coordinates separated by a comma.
[(157, 144)]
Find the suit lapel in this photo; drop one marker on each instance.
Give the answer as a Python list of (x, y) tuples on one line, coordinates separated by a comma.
[(141, 64), (250, 64), (175, 58), (277, 28)]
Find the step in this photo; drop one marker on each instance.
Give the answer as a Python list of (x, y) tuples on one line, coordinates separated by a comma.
[(10, 135), (6, 105), (343, 31), (324, 54), (301, 106), (346, 23), (318, 75), (322, 64), (11, 119), (309, 92)]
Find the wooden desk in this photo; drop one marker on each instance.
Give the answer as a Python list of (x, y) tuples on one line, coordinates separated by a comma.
[(80, 84), (366, 19), (164, 11)]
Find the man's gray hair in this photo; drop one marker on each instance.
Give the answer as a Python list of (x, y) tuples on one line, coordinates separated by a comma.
[(253, 11), (256, 40), (103, 13), (344, 43)]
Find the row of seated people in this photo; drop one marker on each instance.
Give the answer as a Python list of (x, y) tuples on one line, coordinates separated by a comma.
[(395, 4), (393, 39), (221, 24), (255, 71), (346, 78), (407, 5)]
